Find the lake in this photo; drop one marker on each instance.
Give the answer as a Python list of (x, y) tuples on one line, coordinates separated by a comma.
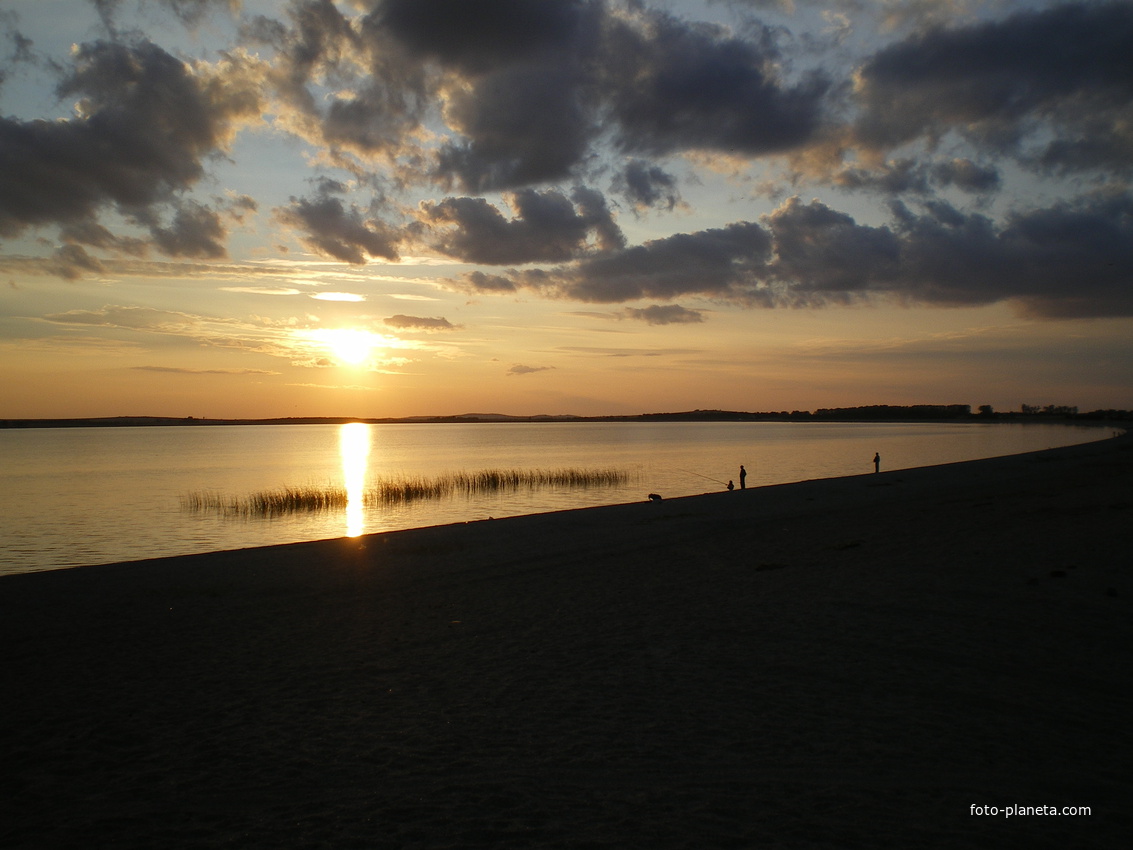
[(78, 496)]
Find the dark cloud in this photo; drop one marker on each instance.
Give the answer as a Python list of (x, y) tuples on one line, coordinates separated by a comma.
[(819, 250), (665, 314), (645, 185), (720, 262), (196, 231), (71, 262), (1071, 259), (420, 323), (1065, 260), (521, 107), (923, 178), (1008, 85), (547, 226), (541, 83), (477, 37), (967, 175), (330, 227), (144, 126), (672, 85), (521, 125)]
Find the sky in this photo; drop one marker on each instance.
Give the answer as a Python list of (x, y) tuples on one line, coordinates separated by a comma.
[(374, 208)]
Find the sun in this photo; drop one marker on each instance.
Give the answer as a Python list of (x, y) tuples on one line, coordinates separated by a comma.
[(351, 347)]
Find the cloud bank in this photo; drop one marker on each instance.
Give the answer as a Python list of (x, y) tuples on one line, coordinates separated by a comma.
[(508, 135)]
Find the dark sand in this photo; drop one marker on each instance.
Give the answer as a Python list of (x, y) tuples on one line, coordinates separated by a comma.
[(843, 663)]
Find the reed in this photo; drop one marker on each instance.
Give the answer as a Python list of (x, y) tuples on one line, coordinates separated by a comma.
[(400, 490), (487, 481), (267, 503)]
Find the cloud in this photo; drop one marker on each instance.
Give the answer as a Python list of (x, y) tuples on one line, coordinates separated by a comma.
[(479, 37), (667, 314), (721, 262), (179, 371), (196, 231), (131, 318), (189, 11), (546, 226), (330, 227), (1051, 86), (822, 251), (1066, 260), (908, 175), (420, 323), (520, 369), (645, 185), (144, 124), (538, 85), (676, 86), (336, 296)]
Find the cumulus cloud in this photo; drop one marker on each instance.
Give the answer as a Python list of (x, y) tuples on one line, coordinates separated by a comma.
[(645, 185), (546, 226), (719, 262), (671, 85), (143, 126), (531, 99), (1069, 259), (1044, 85), (541, 83), (336, 229)]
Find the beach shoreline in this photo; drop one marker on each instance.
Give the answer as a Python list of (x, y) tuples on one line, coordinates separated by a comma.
[(836, 663)]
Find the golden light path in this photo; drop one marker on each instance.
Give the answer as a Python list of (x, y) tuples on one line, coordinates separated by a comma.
[(354, 446)]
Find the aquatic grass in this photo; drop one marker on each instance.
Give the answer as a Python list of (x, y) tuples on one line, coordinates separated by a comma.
[(488, 481), (400, 490), (268, 503)]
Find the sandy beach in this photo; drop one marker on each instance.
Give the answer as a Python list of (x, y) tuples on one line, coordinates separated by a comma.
[(845, 663)]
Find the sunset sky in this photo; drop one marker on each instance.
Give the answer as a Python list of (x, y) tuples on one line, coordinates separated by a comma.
[(218, 208)]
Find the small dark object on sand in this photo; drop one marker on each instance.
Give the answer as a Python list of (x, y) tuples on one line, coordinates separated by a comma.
[(653, 497)]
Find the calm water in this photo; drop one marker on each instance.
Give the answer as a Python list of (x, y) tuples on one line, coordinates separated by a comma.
[(74, 496)]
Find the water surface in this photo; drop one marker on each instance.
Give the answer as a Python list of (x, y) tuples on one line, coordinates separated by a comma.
[(74, 496)]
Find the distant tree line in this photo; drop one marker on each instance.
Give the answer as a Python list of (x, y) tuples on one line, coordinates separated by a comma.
[(891, 411), (868, 413)]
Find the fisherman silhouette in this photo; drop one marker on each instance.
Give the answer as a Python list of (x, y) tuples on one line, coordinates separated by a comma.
[(743, 478), (731, 486), (876, 462)]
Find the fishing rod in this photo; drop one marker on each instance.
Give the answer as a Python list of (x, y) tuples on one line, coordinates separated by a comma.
[(698, 475)]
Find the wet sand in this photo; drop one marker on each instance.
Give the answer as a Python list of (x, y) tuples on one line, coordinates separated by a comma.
[(853, 662)]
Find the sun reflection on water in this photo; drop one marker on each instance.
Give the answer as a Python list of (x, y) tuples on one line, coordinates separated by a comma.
[(354, 446)]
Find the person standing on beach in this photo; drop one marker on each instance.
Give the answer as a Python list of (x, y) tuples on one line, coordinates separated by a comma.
[(743, 477), (876, 462)]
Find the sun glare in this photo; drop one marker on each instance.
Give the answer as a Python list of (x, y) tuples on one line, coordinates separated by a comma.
[(351, 347)]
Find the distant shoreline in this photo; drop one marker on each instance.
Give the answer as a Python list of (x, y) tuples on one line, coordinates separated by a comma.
[(873, 413)]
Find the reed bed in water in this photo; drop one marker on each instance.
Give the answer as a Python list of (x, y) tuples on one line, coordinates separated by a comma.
[(401, 490), (488, 481), (283, 500)]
